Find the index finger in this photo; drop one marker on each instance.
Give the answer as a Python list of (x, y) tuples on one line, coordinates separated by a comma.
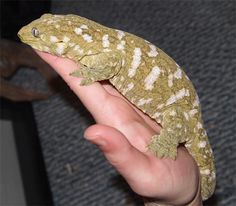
[(93, 96)]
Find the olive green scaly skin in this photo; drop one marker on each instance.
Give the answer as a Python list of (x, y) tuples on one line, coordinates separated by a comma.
[(143, 73)]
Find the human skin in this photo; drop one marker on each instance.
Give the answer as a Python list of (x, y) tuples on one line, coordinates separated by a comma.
[(122, 133)]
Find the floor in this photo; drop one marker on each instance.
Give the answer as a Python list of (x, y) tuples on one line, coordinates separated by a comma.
[(11, 185)]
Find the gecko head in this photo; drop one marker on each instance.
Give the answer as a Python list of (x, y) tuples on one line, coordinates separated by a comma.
[(47, 34), (62, 35), (35, 33)]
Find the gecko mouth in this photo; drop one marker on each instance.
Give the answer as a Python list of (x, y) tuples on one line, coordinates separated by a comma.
[(21, 33)]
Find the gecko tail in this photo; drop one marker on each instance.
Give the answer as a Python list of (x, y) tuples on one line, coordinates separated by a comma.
[(199, 147)]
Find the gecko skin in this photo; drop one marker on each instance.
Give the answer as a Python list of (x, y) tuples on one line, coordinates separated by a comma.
[(143, 73)]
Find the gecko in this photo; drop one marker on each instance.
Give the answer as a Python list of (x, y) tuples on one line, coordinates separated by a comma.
[(144, 74)]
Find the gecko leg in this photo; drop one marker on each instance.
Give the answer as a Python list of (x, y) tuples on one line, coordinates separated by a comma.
[(98, 67), (174, 131)]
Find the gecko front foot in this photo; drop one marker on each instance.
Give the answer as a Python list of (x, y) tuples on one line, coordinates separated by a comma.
[(162, 146), (98, 67), (86, 73)]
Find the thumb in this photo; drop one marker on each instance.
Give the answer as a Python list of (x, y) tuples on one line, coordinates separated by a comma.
[(132, 164)]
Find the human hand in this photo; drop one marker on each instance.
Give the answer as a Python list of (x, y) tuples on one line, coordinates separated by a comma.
[(122, 133)]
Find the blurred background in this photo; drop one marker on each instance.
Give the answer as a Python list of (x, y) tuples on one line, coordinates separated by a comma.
[(44, 159)]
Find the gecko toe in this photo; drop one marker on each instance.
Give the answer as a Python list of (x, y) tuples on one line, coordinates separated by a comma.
[(76, 74), (161, 148)]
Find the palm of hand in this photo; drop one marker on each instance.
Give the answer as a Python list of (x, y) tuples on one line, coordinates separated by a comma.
[(122, 132)]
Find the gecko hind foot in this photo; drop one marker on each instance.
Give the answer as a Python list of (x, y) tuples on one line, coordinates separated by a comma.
[(174, 131), (163, 147)]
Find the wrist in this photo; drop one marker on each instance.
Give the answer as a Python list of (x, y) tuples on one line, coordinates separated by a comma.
[(197, 201)]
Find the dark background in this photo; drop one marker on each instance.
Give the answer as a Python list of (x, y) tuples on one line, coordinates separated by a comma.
[(199, 35), (14, 15)]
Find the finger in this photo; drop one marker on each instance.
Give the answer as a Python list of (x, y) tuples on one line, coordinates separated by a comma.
[(151, 122), (93, 96), (133, 165), (148, 176)]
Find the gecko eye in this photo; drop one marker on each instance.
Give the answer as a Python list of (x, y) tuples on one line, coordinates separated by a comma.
[(35, 32)]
